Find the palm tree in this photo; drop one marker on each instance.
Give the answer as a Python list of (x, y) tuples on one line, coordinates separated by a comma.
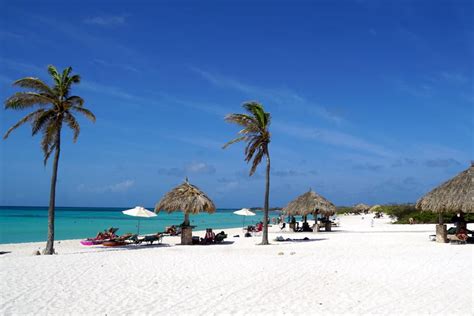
[(56, 107), (257, 136)]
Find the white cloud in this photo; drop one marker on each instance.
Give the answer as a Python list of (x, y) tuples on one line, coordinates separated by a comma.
[(122, 186)]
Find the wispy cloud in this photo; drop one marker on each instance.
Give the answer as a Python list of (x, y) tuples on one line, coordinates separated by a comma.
[(106, 89), (118, 187), (403, 162), (107, 64), (189, 169), (110, 20), (293, 173), (367, 166), (420, 90), (331, 137), (10, 35), (22, 66), (280, 96), (442, 163), (454, 77), (200, 142)]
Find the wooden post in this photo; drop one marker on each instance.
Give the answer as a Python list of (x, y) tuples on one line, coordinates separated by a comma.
[(327, 226), (441, 233), (186, 235)]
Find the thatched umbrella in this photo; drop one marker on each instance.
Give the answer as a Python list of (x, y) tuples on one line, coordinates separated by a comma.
[(361, 207), (189, 199), (453, 195), (310, 203)]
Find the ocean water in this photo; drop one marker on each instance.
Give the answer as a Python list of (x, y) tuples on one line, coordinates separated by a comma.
[(29, 224)]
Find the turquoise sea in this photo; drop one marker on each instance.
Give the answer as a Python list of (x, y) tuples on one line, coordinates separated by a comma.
[(29, 224)]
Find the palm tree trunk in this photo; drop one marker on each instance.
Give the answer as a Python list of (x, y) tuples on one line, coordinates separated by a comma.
[(52, 198), (265, 207)]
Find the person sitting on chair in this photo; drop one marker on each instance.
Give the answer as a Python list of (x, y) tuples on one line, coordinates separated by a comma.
[(209, 237), (259, 227), (306, 228)]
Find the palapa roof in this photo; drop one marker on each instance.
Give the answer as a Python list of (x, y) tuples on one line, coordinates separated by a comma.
[(361, 207), (453, 195), (187, 198), (310, 203)]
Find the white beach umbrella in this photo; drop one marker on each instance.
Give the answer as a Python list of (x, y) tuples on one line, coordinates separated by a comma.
[(139, 211), (244, 212)]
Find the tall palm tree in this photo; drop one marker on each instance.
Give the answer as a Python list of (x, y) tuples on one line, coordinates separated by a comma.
[(257, 136), (56, 107)]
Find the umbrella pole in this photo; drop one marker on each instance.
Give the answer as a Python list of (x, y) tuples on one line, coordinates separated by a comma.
[(138, 229)]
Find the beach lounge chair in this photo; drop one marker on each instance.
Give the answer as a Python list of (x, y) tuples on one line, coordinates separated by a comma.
[(123, 240), (150, 239), (220, 237)]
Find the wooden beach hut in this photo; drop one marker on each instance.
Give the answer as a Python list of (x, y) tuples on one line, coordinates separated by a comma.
[(453, 195), (188, 199), (311, 203)]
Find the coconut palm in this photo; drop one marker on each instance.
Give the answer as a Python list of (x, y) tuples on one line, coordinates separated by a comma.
[(55, 107), (257, 136)]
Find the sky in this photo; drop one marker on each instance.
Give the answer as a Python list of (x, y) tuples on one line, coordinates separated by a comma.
[(371, 101)]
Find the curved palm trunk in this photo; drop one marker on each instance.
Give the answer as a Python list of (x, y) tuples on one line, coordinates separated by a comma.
[(265, 207), (52, 198)]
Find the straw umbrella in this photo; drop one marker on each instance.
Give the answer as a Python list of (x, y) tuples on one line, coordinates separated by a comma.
[(310, 203), (188, 199), (453, 195), (361, 207)]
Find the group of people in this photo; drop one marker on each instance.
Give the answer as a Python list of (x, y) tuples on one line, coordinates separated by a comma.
[(106, 234)]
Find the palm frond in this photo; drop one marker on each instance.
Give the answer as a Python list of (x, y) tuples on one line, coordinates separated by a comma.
[(249, 123), (70, 80), (49, 140), (23, 100), (257, 111), (75, 101), (25, 119), (87, 113), (255, 132), (55, 75), (235, 140), (41, 120), (35, 84), (256, 161), (73, 124)]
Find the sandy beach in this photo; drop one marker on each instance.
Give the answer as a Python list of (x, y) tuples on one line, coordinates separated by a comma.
[(355, 269)]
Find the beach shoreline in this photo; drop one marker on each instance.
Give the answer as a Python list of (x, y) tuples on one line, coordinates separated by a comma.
[(355, 269)]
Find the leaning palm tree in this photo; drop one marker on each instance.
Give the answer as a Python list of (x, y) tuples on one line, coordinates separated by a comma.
[(257, 136), (55, 107)]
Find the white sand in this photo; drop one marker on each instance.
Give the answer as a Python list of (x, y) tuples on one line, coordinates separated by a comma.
[(356, 269)]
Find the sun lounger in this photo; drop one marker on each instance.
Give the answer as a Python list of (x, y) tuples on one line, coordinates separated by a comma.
[(123, 240), (220, 237), (150, 239)]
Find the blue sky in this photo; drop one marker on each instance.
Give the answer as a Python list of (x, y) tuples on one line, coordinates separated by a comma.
[(371, 101)]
